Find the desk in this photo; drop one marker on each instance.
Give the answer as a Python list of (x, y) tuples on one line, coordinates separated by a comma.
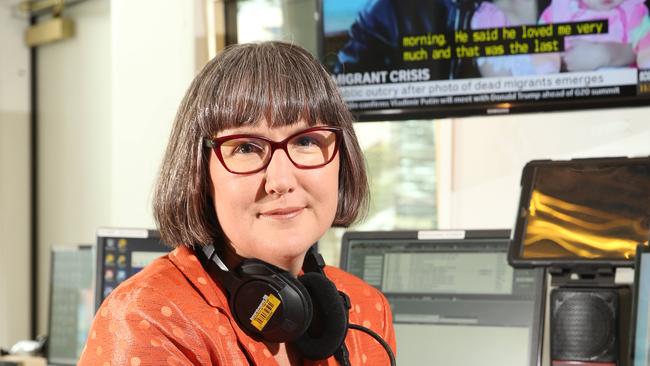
[(22, 361)]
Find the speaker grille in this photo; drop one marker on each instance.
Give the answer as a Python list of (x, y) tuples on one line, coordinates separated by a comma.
[(583, 325)]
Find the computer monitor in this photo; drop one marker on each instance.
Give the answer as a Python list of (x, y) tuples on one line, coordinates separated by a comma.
[(641, 345), (455, 299), (71, 303), (121, 253)]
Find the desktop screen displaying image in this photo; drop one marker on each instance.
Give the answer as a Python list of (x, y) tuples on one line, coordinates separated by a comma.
[(71, 303), (444, 58), (121, 253), (455, 301)]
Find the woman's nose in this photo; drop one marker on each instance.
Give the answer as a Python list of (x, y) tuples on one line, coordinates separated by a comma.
[(280, 174)]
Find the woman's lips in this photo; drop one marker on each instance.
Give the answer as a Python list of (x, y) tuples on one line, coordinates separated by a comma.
[(282, 213)]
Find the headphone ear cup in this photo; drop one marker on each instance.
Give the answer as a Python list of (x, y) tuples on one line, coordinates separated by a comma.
[(329, 324), (281, 306)]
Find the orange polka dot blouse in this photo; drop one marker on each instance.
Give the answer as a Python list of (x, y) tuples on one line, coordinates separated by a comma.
[(172, 313)]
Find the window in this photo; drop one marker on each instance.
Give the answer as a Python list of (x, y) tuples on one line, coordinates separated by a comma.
[(401, 163), (280, 20)]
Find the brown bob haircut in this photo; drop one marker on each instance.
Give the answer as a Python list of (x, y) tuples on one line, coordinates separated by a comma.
[(245, 84)]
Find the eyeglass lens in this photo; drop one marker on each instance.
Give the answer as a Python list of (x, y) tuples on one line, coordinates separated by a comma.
[(309, 149)]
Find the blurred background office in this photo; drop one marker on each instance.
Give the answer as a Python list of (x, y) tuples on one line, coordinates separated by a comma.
[(84, 122)]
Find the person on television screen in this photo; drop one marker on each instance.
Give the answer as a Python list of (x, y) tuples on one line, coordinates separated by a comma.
[(262, 160), (376, 36), (625, 43), (507, 13)]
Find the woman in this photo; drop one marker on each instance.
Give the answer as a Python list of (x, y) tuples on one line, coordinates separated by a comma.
[(262, 160)]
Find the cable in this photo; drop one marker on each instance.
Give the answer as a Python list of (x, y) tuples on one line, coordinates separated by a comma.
[(343, 356), (378, 338)]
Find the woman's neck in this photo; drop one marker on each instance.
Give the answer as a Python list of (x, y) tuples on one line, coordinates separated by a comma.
[(232, 259)]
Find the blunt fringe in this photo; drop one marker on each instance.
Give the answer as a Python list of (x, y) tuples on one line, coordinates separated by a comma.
[(245, 84)]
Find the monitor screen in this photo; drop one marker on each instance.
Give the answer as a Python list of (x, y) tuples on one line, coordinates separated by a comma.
[(71, 303), (439, 58), (589, 211), (642, 309), (455, 299), (121, 253)]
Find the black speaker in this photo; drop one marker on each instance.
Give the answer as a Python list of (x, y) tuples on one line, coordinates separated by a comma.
[(590, 325)]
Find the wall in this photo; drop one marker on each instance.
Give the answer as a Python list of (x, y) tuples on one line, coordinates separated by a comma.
[(298, 26), (107, 98), (14, 180), (153, 53), (74, 138), (489, 154)]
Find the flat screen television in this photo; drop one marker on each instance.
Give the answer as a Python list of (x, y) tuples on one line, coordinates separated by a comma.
[(402, 59)]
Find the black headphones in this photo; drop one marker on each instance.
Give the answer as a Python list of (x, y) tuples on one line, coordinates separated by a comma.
[(269, 303)]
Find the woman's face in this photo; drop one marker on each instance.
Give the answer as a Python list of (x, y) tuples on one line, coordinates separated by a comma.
[(276, 214)]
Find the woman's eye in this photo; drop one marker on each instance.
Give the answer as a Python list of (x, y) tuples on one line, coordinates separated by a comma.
[(306, 141), (247, 148)]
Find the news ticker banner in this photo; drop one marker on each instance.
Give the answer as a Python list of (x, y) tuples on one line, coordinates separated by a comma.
[(387, 95)]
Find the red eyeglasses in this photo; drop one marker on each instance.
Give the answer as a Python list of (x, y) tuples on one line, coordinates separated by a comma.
[(312, 148)]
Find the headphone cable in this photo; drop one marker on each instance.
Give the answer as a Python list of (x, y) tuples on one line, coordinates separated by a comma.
[(378, 338)]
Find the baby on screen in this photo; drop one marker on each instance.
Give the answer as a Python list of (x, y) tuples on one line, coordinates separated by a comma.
[(626, 43), (507, 13)]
